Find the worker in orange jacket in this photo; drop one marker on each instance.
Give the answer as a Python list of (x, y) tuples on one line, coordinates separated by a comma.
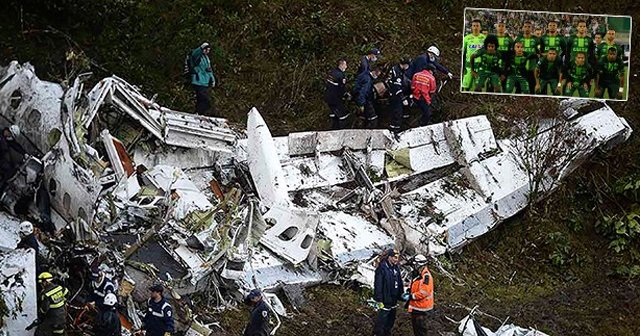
[(423, 85), (421, 296)]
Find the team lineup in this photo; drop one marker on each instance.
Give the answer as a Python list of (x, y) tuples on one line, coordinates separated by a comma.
[(584, 65)]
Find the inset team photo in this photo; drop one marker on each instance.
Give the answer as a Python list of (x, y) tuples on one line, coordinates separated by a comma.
[(546, 54)]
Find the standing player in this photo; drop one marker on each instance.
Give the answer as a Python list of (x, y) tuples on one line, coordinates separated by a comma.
[(548, 72), (537, 32), (610, 41), (516, 68), (505, 42), (610, 75), (505, 45), (553, 39), (597, 41), (530, 46), (580, 42), (487, 65), (471, 43), (579, 73)]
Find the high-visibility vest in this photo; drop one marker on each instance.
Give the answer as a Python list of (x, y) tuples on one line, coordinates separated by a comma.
[(56, 297), (422, 292)]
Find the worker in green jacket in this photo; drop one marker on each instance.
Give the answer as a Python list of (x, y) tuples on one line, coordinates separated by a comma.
[(202, 77)]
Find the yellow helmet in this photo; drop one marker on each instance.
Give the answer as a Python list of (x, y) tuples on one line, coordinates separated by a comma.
[(44, 276)]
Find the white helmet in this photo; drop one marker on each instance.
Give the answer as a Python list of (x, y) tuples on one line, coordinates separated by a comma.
[(26, 228), (434, 50), (420, 259), (15, 131), (110, 300)]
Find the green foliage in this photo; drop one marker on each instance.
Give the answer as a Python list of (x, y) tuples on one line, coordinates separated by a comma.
[(561, 254), (622, 230), (631, 272), (629, 187), (575, 221)]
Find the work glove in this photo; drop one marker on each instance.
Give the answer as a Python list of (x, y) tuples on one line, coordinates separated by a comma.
[(167, 334), (379, 305), (450, 75), (405, 296)]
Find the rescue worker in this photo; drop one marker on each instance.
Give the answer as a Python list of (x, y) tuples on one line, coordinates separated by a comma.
[(431, 56), (366, 60), (51, 307), (28, 237), (364, 96), (11, 153), (259, 317), (400, 89), (108, 322), (423, 85), (28, 240), (420, 296), (158, 321), (335, 93), (101, 286), (387, 291), (202, 77)]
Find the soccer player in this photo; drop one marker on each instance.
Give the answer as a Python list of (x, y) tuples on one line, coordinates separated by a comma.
[(580, 42), (505, 45), (597, 40), (505, 42), (516, 68), (471, 43), (553, 39), (487, 65), (578, 74), (537, 32), (610, 75), (530, 46), (548, 72), (610, 41)]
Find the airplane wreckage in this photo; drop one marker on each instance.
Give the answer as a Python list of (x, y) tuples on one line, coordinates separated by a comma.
[(160, 195)]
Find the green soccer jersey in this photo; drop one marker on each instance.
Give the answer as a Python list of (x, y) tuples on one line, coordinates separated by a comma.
[(517, 65), (557, 42), (530, 46), (580, 44), (603, 49), (471, 44), (485, 62), (578, 74), (505, 43), (549, 70), (610, 71)]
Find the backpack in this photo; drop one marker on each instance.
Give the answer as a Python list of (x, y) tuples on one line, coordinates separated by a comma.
[(188, 67)]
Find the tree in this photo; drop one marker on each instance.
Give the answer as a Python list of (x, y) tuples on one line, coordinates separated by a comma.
[(548, 150)]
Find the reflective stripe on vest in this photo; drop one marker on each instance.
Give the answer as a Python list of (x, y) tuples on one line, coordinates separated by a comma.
[(419, 287), (57, 297), (155, 313)]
